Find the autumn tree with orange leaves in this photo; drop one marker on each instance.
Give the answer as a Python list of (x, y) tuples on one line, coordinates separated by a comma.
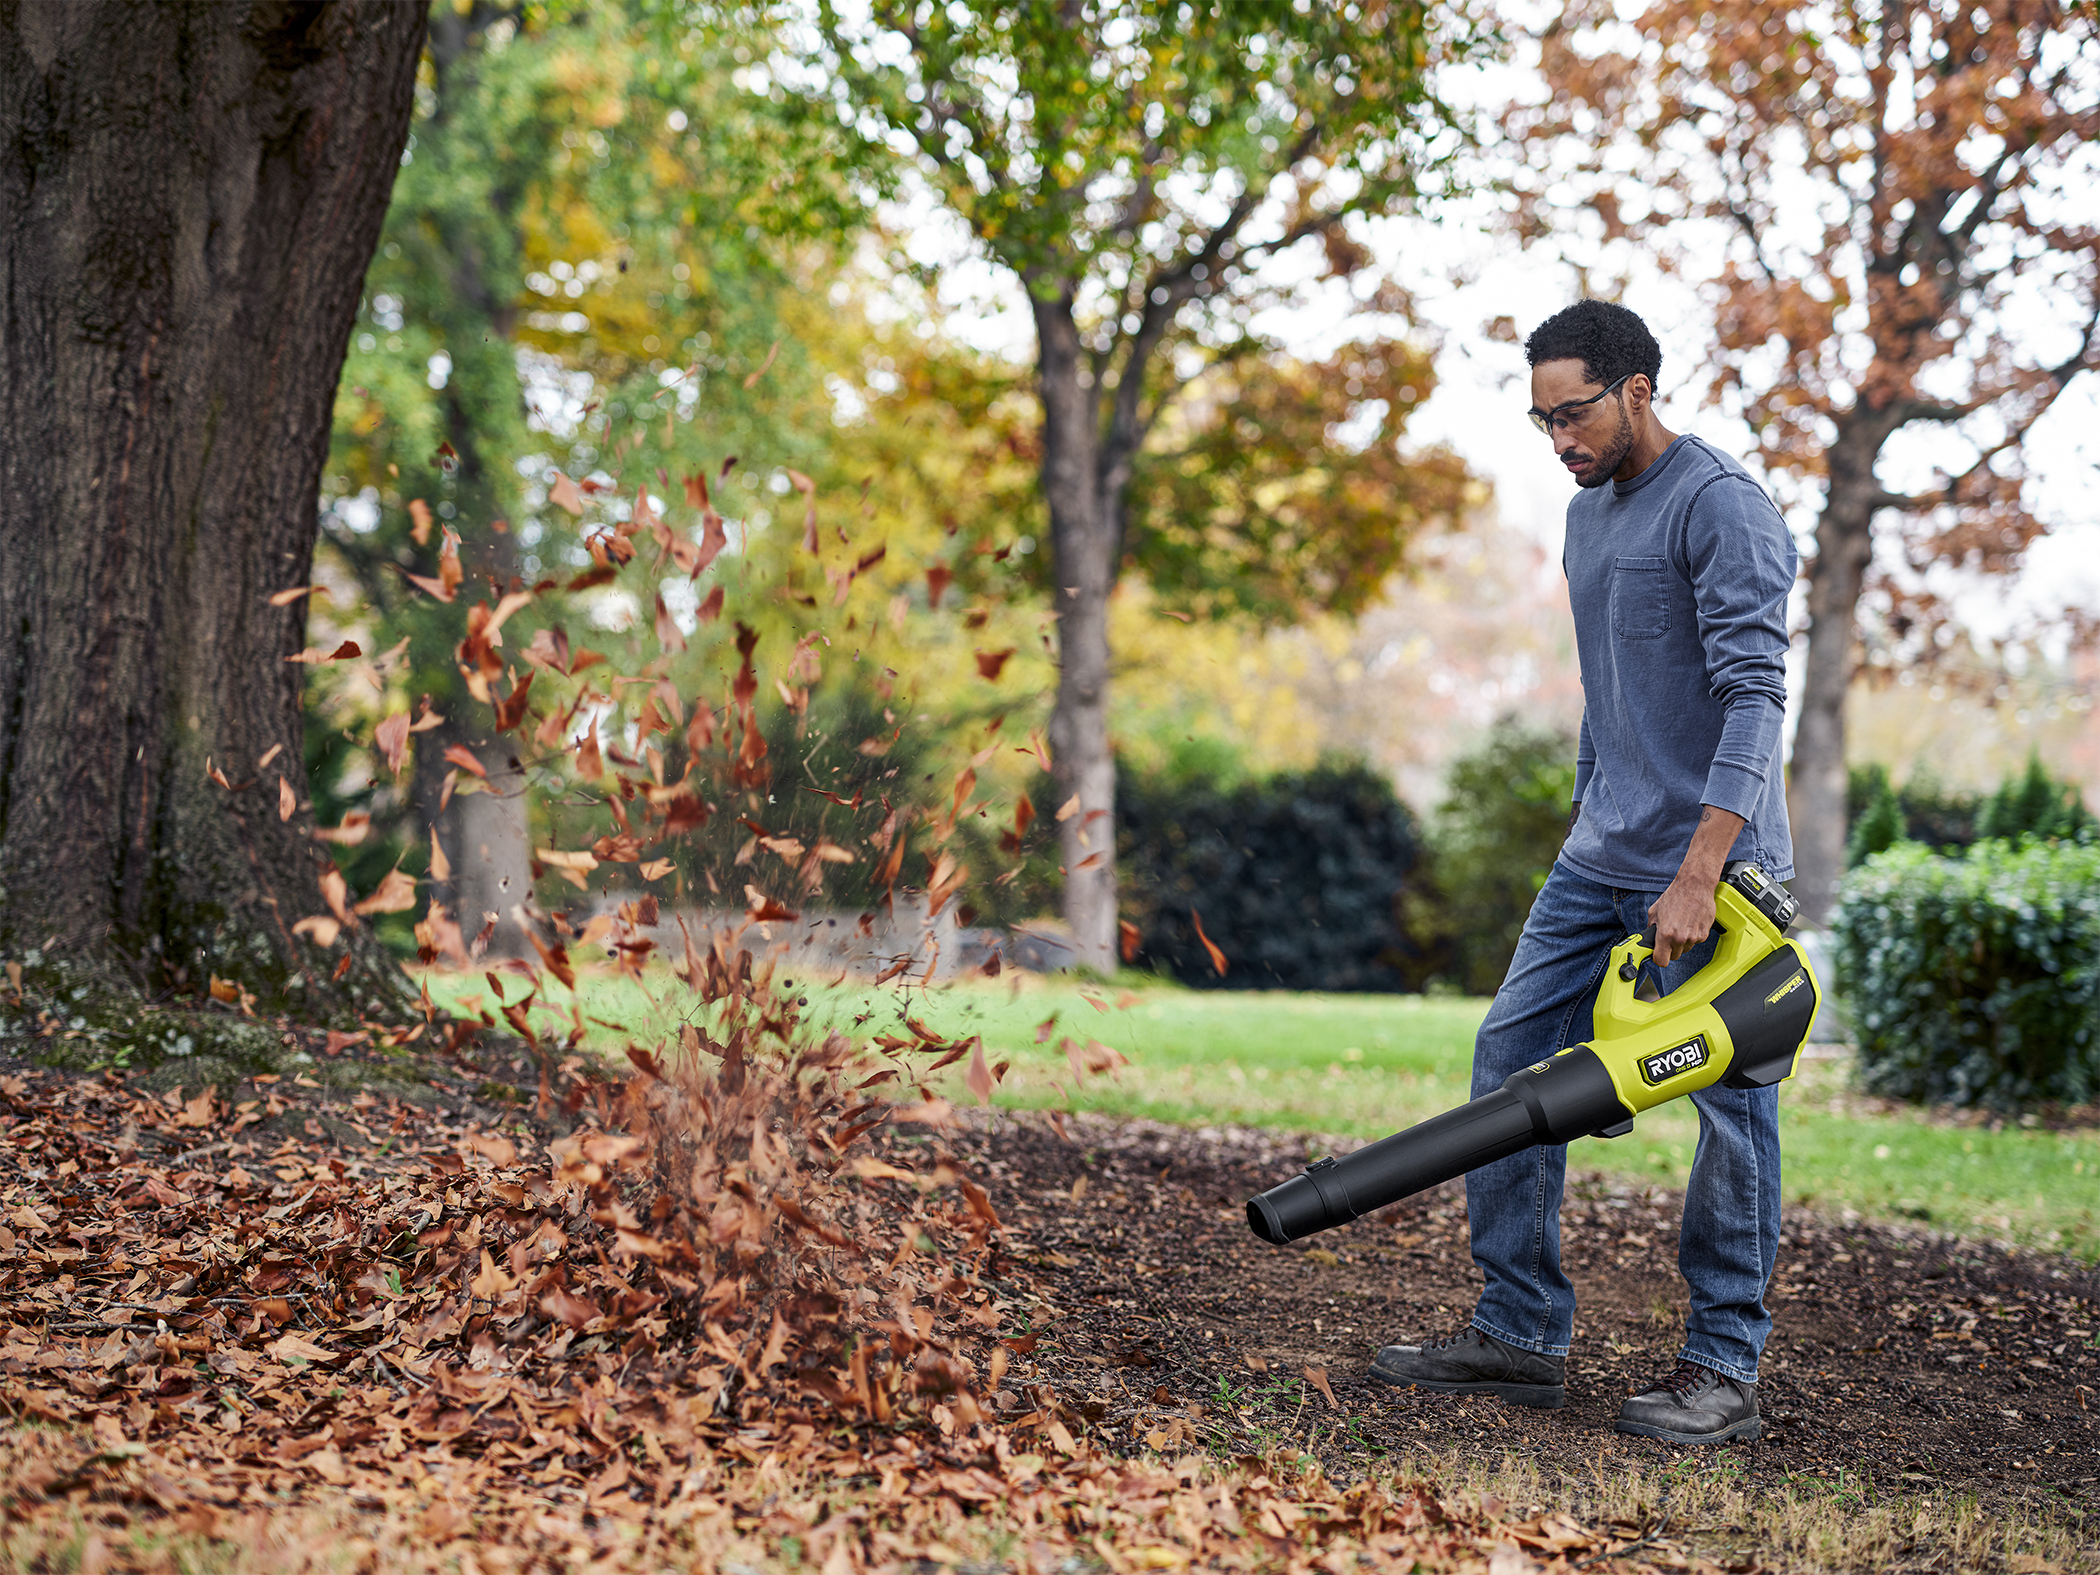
[(1912, 276), (1138, 167)]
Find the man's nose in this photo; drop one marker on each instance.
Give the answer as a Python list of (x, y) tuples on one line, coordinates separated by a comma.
[(1563, 439)]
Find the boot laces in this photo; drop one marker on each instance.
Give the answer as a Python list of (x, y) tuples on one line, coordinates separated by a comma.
[(1687, 1377), (1465, 1336)]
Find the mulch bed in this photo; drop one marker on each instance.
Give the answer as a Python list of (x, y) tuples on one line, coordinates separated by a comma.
[(1908, 1358)]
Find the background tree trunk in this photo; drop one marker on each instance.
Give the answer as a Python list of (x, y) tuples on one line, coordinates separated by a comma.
[(485, 835), (1844, 548), (189, 196), (1081, 521)]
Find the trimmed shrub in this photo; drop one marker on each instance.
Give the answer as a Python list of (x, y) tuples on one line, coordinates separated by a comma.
[(1296, 878), (1975, 980)]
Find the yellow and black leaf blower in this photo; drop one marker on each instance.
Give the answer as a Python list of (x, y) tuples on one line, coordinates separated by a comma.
[(1739, 1021)]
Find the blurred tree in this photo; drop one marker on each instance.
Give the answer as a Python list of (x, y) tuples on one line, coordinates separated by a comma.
[(1909, 251), (1880, 825), (1137, 166), (190, 196), (2033, 804), (1492, 843), (579, 291), (1932, 814)]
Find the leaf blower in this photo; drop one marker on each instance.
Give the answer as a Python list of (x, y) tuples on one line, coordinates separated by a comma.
[(1739, 1021)]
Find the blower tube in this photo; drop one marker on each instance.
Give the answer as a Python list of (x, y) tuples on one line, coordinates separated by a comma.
[(1555, 1101)]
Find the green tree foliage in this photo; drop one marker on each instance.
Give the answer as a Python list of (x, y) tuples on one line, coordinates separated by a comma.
[(1494, 838), (580, 296), (1137, 166)]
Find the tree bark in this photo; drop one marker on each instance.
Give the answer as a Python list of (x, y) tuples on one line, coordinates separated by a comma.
[(1844, 548), (189, 196), (1082, 542)]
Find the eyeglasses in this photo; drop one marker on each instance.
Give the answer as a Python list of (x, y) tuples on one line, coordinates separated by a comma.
[(1563, 416)]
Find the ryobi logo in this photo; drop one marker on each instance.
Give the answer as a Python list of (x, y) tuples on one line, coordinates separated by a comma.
[(1666, 1064)]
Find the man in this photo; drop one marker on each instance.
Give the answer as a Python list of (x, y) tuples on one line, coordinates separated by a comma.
[(1678, 570)]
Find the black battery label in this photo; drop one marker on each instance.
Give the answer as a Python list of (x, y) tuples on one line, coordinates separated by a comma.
[(1675, 1061)]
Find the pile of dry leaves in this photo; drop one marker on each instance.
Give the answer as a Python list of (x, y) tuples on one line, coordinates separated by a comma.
[(750, 1313)]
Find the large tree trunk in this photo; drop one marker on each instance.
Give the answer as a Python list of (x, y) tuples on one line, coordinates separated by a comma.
[(189, 196), (1816, 781), (1082, 543)]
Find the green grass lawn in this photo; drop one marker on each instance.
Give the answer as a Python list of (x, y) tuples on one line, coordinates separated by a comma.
[(1365, 1065)]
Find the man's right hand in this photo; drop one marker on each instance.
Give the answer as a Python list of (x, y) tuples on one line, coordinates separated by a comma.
[(1574, 814)]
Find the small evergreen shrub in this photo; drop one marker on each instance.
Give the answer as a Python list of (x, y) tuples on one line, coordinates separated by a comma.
[(2033, 804), (1296, 877), (1975, 980)]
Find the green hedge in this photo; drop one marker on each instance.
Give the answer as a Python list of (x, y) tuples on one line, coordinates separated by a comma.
[(1975, 980), (1296, 876)]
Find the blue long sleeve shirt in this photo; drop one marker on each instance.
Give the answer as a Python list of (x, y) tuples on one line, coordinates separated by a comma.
[(1679, 581)]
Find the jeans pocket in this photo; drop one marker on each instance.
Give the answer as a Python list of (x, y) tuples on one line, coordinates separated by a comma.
[(1640, 598)]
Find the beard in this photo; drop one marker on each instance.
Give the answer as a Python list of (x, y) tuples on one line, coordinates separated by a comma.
[(1611, 456)]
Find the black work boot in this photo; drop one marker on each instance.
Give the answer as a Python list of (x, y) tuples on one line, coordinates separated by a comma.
[(1694, 1405), (1474, 1363)]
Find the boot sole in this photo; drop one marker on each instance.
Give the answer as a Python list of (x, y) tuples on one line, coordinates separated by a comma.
[(1746, 1430), (1543, 1397)]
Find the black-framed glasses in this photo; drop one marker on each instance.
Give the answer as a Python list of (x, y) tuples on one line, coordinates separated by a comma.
[(1563, 416)]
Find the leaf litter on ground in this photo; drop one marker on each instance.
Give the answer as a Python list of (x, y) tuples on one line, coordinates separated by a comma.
[(711, 1312)]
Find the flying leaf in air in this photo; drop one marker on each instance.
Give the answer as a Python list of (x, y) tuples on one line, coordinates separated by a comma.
[(286, 597), (1217, 958), (323, 929), (763, 366), (764, 908), (989, 663), (356, 826), (562, 493), (465, 759), (938, 579), (979, 1075), (808, 489), (392, 738), (396, 894), (287, 800), (419, 522), (313, 655)]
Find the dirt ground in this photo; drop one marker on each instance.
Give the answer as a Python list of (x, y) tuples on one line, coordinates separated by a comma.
[(1898, 1358)]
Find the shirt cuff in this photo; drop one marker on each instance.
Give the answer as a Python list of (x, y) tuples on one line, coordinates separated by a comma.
[(1733, 788)]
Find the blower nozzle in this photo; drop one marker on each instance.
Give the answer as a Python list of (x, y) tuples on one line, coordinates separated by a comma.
[(1741, 1020)]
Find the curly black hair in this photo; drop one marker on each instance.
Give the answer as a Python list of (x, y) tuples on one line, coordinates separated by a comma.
[(1610, 342)]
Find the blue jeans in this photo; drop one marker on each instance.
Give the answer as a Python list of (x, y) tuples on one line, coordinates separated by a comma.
[(1730, 1235)]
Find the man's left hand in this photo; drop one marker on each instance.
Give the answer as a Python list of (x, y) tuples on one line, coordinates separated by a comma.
[(1683, 916)]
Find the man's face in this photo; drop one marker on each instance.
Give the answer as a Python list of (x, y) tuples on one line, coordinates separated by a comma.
[(1593, 439)]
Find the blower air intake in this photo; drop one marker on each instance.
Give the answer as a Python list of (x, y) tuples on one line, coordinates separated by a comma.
[(1739, 1021)]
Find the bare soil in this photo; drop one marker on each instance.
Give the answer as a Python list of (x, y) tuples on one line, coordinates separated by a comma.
[(1899, 1360)]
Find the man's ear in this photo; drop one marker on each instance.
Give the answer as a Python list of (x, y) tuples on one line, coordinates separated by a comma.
[(1640, 393)]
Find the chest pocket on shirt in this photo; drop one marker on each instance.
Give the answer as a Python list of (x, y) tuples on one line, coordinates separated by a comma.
[(1640, 598)]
